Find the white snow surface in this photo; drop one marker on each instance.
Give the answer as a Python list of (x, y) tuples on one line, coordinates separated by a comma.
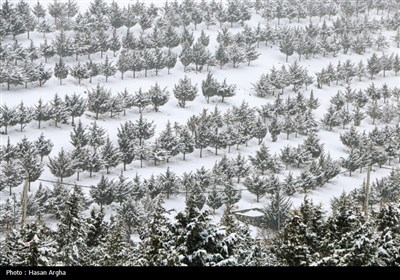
[(243, 76)]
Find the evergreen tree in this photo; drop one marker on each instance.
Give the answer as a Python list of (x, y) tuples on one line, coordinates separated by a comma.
[(186, 56), (11, 175), (221, 55), (23, 115), (301, 240), (170, 60), (42, 249), (8, 151), (95, 136), (61, 70), (108, 69), (277, 211), (43, 146), (170, 37), (236, 54), (240, 167), (103, 193), (256, 185), (79, 72), (224, 90), (38, 10), (274, 129), (201, 241), (126, 142), (114, 43), (287, 45), (331, 118), (157, 238), (75, 106), (109, 155), (263, 160), (132, 213), (72, 231), (214, 199), (79, 136), (199, 55), (8, 117), (92, 162), (230, 195), (123, 189), (209, 87), (184, 91), (186, 142), (373, 66), (31, 166), (169, 183), (98, 100), (158, 97), (250, 53), (169, 142), (61, 166)]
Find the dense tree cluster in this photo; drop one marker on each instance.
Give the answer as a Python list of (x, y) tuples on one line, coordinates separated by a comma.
[(345, 72), (352, 106)]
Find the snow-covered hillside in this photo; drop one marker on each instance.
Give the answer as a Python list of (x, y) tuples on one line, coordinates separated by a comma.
[(282, 82)]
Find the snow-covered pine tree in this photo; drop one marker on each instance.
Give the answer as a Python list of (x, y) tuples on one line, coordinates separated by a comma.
[(224, 90), (250, 53), (38, 10), (72, 231), (186, 55), (92, 162), (110, 155), (62, 166), (256, 185), (209, 87), (277, 211), (75, 105), (170, 37), (108, 69), (169, 142), (221, 55), (236, 54), (240, 167), (98, 100), (61, 70), (158, 97), (43, 146), (95, 136), (373, 66), (215, 199), (79, 72), (169, 183), (8, 117), (230, 195), (185, 91), (143, 129), (103, 193), (331, 118), (23, 115), (11, 175), (263, 160), (199, 55), (127, 142)]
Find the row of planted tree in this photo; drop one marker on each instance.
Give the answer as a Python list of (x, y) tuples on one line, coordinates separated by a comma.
[(304, 236)]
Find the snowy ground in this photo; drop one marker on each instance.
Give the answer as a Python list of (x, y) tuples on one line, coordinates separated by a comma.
[(243, 76)]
